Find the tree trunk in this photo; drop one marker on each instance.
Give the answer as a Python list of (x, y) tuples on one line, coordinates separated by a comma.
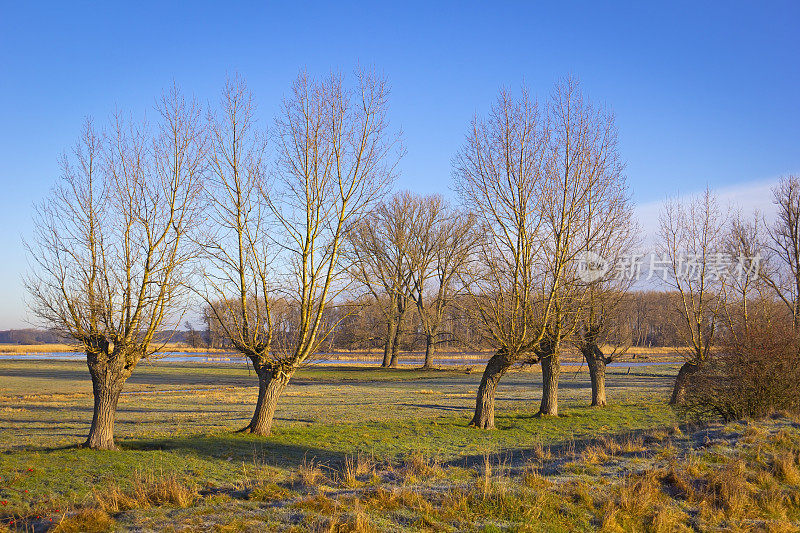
[(484, 404), (596, 362), (396, 347), (597, 375), (270, 386), (430, 348), (101, 434), (387, 348), (682, 382), (108, 379), (551, 370)]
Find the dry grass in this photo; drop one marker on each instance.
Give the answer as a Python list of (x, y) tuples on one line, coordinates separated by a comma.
[(753, 486), (540, 452), (309, 473), (354, 522), (533, 479), (349, 476), (638, 504), (85, 520), (269, 492), (365, 465), (356, 470), (419, 465), (492, 475), (785, 467), (632, 444), (688, 487), (146, 491), (595, 454), (23, 349), (744, 476)]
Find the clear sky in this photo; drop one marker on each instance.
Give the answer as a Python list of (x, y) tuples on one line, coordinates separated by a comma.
[(704, 93)]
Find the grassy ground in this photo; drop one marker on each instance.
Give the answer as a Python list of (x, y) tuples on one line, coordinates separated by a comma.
[(357, 448)]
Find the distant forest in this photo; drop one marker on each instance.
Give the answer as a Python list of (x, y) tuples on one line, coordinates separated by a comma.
[(649, 316), (31, 336)]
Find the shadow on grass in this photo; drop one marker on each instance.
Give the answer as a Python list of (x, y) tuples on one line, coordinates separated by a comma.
[(437, 407), (238, 447)]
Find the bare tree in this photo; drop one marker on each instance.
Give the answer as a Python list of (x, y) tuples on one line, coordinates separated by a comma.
[(109, 255), (610, 233), (782, 261), (586, 210), (753, 368), (193, 337), (690, 237), (443, 243), (381, 257), (500, 173), (747, 288), (238, 277), (602, 326), (335, 160)]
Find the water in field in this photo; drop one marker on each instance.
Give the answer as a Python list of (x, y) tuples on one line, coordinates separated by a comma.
[(321, 359)]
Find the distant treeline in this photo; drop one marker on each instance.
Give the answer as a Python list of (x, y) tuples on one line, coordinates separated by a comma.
[(650, 317), (31, 336)]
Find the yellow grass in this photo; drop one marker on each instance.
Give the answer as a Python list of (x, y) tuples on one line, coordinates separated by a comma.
[(23, 349), (17, 349)]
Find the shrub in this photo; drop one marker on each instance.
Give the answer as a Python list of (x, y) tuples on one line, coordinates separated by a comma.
[(754, 373)]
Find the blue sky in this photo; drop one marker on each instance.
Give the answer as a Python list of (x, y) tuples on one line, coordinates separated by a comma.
[(703, 92)]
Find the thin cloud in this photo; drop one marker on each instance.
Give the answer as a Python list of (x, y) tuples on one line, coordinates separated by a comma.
[(747, 197)]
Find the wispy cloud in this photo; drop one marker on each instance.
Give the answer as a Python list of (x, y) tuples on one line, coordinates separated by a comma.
[(747, 197)]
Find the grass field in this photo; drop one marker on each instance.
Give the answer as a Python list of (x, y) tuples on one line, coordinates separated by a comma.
[(365, 449), (657, 353)]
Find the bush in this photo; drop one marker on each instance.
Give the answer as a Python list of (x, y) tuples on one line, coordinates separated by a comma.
[(751, 375)]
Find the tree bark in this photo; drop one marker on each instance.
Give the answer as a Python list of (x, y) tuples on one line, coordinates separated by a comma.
[(271, 383), (108, 379), (484, 404), (387, 348), (430, 349), (597, 375), (551, 371), (596, 362), (394, 363), (101, 434), (682, 382)]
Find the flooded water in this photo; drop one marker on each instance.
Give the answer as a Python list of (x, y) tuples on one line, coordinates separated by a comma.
[(231, 358)]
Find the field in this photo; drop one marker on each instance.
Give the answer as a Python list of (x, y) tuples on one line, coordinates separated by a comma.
[(636, 353), (358, 448)]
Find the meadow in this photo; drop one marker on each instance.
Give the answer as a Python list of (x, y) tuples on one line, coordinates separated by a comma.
[(358, 448)]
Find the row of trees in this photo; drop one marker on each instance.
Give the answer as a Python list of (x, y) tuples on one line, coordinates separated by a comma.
[(273, 235), (645, 319), (148, 215), (287, 236), (546, 184)]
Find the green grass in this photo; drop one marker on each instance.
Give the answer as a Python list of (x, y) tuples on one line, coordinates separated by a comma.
[(179, 420)]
